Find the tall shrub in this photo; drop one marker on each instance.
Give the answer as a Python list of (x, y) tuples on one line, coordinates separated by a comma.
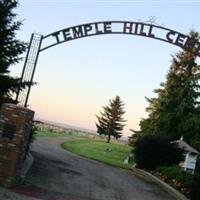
[(152, 151)]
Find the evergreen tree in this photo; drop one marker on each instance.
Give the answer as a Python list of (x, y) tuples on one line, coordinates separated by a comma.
[(146, 130), (175, 111), (110, 121), (10, 49)]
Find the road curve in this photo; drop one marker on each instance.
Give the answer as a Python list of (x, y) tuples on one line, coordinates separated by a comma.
[(57, 171)]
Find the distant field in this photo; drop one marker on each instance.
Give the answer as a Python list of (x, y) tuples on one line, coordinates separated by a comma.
[(113, 154), (53, 133)]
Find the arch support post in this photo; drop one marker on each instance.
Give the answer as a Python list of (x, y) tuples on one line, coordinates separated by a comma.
[(15, 129), (29, 68)]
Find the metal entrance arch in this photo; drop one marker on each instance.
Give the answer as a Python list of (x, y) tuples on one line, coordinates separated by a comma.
[(39, 43)]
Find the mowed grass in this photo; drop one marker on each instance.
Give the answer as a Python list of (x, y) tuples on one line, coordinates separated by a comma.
[(113, 154)]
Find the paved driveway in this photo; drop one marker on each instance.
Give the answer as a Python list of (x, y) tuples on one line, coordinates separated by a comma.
[(58, 174)]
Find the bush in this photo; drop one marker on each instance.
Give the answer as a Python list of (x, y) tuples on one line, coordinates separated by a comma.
[(176, 177), (195, 187), (152, 150)]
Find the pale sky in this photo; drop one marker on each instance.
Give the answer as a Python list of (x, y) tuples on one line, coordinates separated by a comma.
[(76, 78)]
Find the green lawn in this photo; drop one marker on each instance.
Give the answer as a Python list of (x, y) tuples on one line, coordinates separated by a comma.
[(113, 154)]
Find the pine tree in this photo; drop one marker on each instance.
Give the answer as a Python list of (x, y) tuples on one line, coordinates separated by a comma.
[(10, 49), (175, 111), (110, 121)]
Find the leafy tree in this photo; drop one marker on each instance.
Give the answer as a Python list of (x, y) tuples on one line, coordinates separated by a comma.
[(152, 151), (110, 121), (175, 111), (10, 50)]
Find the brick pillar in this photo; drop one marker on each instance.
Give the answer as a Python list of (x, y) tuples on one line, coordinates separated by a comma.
[(15, 127)]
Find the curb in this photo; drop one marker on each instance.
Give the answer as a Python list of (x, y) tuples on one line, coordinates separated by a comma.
[(146, 175)]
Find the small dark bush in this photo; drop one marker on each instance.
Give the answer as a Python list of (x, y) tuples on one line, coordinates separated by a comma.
[(195, 187), (175, 175), (153, 150)]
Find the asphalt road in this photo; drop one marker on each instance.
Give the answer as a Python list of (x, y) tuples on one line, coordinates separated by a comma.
[(64, 175)]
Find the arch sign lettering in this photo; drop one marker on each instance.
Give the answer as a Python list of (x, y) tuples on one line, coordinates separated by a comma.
[(39, 43)]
